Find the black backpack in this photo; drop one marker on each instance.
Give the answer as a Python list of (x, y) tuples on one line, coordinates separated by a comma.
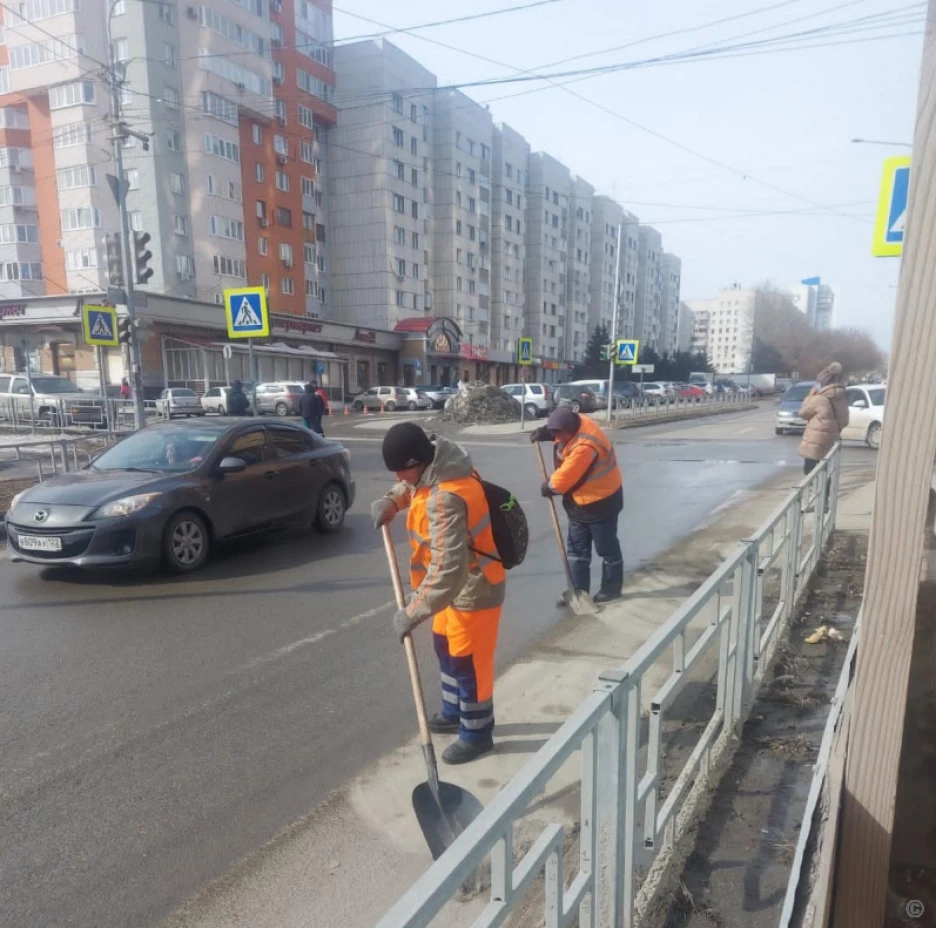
[(508, 525)]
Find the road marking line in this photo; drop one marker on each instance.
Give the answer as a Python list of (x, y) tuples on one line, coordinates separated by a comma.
[(750, 428)]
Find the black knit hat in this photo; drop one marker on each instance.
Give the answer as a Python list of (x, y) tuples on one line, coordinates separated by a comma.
[(406, 445)]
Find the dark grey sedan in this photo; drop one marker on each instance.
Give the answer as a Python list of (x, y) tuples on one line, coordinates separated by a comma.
[(170, 491)]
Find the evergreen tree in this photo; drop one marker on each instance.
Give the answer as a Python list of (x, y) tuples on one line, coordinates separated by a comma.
[(592, 365)]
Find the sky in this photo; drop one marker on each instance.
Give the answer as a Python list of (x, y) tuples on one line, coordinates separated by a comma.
[(692, 146)]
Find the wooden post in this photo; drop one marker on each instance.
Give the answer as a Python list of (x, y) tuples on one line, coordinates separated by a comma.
[(895, 545)]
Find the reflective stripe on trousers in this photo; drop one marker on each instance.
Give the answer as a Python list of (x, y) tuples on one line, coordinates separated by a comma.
[(465, 643)]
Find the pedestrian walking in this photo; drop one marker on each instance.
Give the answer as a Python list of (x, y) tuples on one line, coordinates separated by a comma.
[(125, 389), (588, 479), (826, 413), (457, 577), (238, 404), (323, 396), (311, 408)]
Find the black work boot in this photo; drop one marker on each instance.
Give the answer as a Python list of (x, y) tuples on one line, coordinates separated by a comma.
[(602, 597), (442, 725), (461, 752)]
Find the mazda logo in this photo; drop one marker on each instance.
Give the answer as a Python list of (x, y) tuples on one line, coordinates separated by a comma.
[(40, 515)]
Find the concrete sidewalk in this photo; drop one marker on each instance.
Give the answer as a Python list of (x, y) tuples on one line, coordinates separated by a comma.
[(351, 858)]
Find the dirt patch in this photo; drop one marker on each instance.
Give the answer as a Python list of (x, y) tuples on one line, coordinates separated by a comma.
[(9, 489), (738, 871), (481, 404)]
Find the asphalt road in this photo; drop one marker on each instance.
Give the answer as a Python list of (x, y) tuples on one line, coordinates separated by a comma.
[(155, 730)]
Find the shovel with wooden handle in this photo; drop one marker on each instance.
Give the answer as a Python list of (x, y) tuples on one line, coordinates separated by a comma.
[(577, 600), (443, 810)]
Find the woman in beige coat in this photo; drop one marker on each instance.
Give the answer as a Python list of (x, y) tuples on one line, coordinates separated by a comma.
[(826, 413)]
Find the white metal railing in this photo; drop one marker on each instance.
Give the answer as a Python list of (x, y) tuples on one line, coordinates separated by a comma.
[(636, 799), (71, 412)]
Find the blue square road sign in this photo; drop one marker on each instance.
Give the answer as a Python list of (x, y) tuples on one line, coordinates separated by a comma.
[(246, 313)]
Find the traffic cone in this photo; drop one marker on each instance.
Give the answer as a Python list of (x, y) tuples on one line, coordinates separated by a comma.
[(365, 410), (382, 408), (347, 411)]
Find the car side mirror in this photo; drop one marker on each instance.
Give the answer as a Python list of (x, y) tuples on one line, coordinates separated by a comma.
[(232, 465)]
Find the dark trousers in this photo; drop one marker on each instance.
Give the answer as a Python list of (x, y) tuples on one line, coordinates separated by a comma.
[(809, 465), (603, 535), (314, 425)]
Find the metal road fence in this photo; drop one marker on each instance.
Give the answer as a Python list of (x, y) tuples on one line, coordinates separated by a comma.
[(71, 412), (642, 750), (651, 406)]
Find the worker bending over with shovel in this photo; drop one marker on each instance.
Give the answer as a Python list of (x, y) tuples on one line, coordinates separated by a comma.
[(588, 479), (458, 579)]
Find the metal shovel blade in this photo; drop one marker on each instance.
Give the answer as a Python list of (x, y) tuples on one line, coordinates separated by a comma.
[(580, 603), (444, 817)]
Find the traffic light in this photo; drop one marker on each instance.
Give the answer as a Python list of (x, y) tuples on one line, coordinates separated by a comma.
[(605, 352), (115, 274), (123, 330), (142, 257)]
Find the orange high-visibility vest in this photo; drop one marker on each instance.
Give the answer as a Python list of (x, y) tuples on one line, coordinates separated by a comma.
[(590, 478), (480, 534)]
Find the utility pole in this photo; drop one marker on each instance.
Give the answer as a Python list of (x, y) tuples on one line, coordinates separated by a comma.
[(895, 547), (612, 351), (116, 77)]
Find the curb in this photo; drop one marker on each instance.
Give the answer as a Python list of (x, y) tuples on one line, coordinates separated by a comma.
[(683, 416)]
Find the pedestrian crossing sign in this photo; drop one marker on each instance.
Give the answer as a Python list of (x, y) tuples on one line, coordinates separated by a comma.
[(246, 312), (892, 208), (100, 326), (627, 351), (525, 351)]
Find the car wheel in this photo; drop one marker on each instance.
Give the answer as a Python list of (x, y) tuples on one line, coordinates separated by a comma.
[(281, 409), (532, 411), (330, 513), (221, 411), (412, 406), (576, 406), (873, 437), (185, 542), (358, 406), (779, 431), (390, 406), (50, 418)]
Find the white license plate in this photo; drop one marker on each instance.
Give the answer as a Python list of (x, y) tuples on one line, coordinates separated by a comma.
[(40, 543)]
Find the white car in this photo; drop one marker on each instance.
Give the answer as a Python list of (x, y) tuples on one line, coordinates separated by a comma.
[(865, 413), (216, 400), (415, 398), (654, 389), (179, 401), (533, 396)]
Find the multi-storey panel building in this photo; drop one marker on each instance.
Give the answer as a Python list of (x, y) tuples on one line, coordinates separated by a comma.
[(649, 290), (380, 186), (507, 258), (607, 218), (461, 221), (578, 270), (670, 272)]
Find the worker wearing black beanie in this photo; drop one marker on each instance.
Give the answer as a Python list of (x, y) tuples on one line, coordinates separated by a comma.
[(457, 577)]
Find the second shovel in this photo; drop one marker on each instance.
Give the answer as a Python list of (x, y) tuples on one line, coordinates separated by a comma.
[(577, 600)]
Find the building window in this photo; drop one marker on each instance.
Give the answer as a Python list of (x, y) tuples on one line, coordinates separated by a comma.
[(305, 116), (415, 210), (230, 267), (226, 228), (136, 220), (263, 245), (169, 55), (398, 170), (280, 145), (307, 152), (177, 183), (471, 205), (415, 271), (166, 14), (256, 134), (288, 286), (222, 148), (76, 93), (265, 281), (259, 173), (174, 140), (308, 221), (398, 104), (85, 175), (284, 217), (83, 217), (414, 146), (397, 137), (308, 186), (319, 232), (400, 298), (81, 259), (401, 267), (170, 98), (399, 204), (282, 181), (399, 235), (180, 225)]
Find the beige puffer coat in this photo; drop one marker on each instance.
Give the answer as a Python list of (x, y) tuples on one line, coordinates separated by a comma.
[(826, 414)]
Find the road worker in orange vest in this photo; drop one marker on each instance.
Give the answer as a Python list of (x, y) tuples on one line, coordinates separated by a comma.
[(588, 479), (457, 577)]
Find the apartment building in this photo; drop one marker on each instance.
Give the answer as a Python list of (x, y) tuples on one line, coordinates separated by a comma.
[(630, 268), (816, 301), (649, 289), (380, 186), (607, 216), (686, 328), (547, 244), (670, 273), (578, 269), (508, 249), (218, 90), (724, 327), (463, 139)]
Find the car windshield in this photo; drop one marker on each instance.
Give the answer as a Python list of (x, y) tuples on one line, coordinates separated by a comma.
[(183, 391), (53, 385), (166, 450), (798, 393)]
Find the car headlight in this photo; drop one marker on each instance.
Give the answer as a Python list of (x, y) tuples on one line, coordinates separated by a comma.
[(784, 414), (126, 506)]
